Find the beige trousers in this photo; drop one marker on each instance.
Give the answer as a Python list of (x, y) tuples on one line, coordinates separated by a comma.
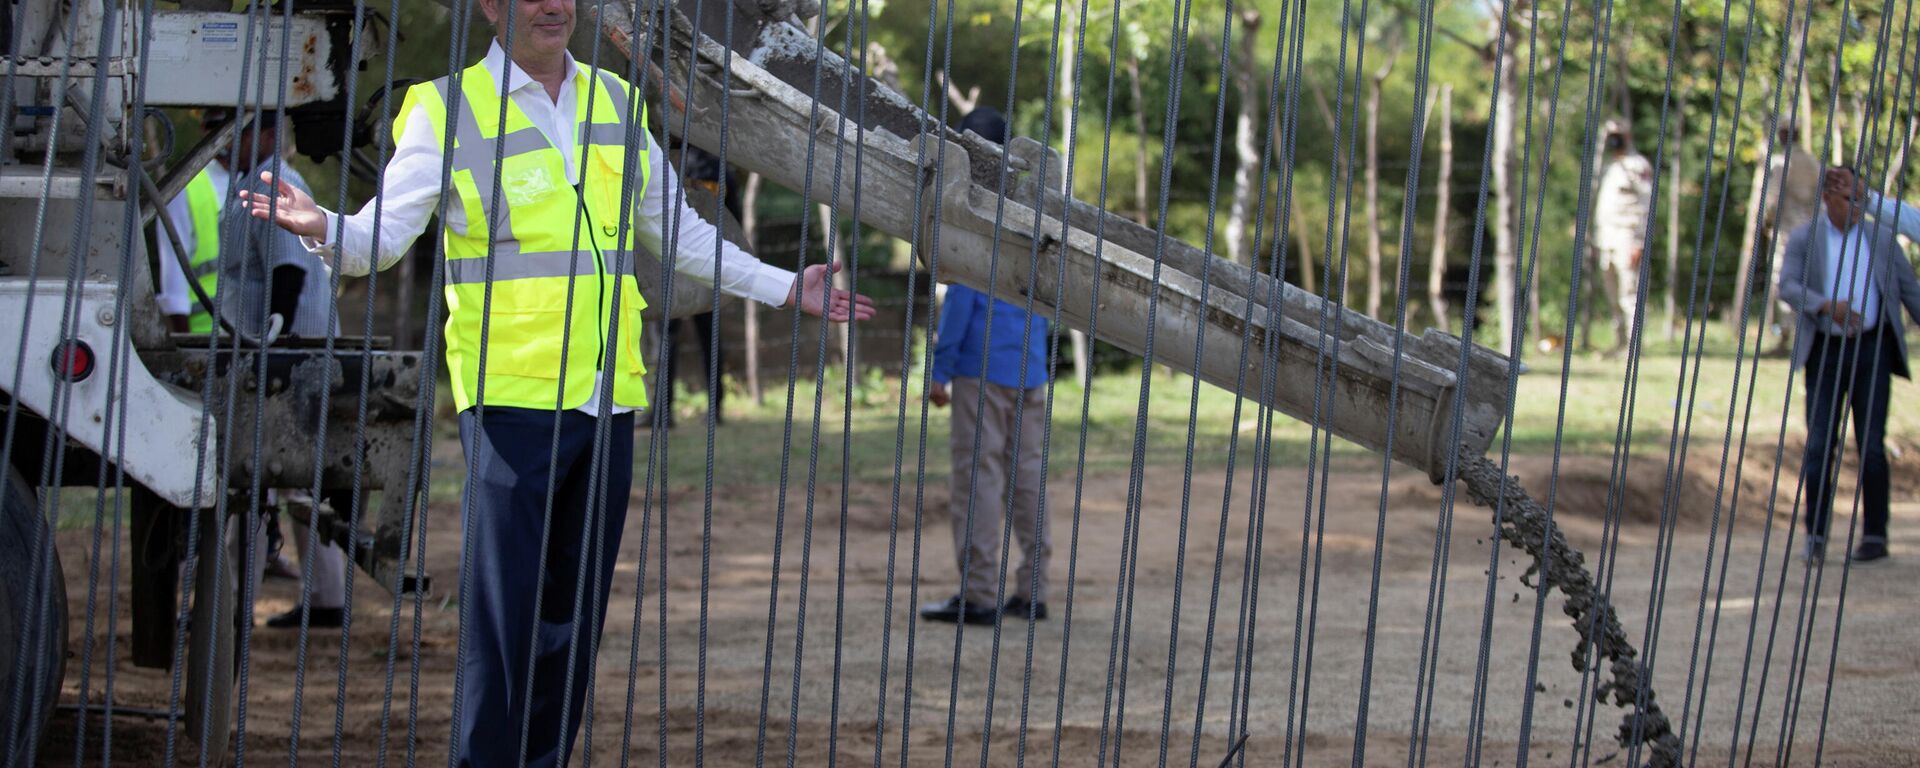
[(981, 486), (1622, 282)]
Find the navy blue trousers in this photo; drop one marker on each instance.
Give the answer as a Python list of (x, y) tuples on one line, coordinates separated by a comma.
[(510, 455), (1849, 375)]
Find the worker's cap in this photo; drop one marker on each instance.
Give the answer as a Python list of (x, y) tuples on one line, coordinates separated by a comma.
[(1616, 126), (987, 122)]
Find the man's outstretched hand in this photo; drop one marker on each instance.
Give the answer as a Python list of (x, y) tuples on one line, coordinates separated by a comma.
[(819, 298), (290, 208)]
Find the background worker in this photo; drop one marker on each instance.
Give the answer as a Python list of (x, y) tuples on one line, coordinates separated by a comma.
[(266, 266), (1620, 217), (1847, 281), (998, 378), (559, 312)]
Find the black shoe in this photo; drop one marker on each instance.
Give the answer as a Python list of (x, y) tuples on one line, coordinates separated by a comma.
[(1019, 608), (317, 618), (955, 609), (1869, 551)]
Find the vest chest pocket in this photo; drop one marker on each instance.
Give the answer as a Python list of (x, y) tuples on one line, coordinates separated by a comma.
[(603, 179), (526, 341)]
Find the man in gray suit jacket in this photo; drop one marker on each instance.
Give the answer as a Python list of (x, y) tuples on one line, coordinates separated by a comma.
[(1846, 280)]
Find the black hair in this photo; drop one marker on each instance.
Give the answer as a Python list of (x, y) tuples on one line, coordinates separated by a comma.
[(988, 122)]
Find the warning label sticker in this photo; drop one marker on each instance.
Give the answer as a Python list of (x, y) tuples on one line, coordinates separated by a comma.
[(219, 35)]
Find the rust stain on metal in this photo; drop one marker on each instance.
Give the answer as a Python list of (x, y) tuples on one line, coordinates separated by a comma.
[(301, 86)]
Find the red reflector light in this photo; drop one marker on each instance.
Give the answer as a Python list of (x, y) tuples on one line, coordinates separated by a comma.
[(73, 360)]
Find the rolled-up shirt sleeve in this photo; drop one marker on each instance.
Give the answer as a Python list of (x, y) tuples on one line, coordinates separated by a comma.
[(409, 194), (741, 273), (1896, 214)]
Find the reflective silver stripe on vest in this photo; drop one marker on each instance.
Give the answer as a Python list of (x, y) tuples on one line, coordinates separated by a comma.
[(604, 134), (511, 264), (618, 96), (206, 269), (475, 153)]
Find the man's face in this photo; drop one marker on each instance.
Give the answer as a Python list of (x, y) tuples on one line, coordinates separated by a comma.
[(541, 28), (1841, 192)]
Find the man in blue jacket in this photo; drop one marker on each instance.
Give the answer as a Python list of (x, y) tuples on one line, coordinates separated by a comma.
[(996, 380), (1847, 281)]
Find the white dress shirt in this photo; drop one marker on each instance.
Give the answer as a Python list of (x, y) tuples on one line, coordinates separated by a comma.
[(1849, 271), (410, 193)]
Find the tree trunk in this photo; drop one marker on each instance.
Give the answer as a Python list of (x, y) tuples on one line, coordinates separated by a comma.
[(1756, 218), (1501, 160), (965, 102), (1306, 248), (1443, 192), (1749, 233), (830, 242), (1373, 174), (1858, 127), (1248, 156), (1063, 92), (1070, 131), (1838, 139), (749, 225), (1533, 274), (1673, 223), (1142, 213), (1336, 201), (1891, 185)]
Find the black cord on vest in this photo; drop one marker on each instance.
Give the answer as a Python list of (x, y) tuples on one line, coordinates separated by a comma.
[(600, 270)]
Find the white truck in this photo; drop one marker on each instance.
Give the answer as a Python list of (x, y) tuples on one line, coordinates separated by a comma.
[(97, 394)]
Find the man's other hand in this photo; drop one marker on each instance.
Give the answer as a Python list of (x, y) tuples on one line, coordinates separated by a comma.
[(1842, 314), (937, 394), (290, 208), (819, 298)]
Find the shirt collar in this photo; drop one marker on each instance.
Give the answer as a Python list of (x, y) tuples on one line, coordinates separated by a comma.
[(500, 66)]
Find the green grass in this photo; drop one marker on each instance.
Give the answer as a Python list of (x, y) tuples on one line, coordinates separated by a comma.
[(748, 448)]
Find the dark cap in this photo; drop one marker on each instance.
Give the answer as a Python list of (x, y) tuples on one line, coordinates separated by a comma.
[(988, 122), (215, 118)]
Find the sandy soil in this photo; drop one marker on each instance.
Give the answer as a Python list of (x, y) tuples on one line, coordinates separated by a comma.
[(1869, 717)]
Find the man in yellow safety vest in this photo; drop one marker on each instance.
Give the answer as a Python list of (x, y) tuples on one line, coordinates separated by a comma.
[(542, 340), (263, 267)]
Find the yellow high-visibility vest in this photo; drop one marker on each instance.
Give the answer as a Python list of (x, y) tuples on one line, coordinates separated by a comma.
[(553, 284), (203, 207)]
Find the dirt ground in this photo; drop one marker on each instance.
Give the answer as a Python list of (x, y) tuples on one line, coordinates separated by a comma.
[(1868, 720)]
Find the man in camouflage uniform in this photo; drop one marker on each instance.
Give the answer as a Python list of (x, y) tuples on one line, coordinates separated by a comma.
[(1620, 213)]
